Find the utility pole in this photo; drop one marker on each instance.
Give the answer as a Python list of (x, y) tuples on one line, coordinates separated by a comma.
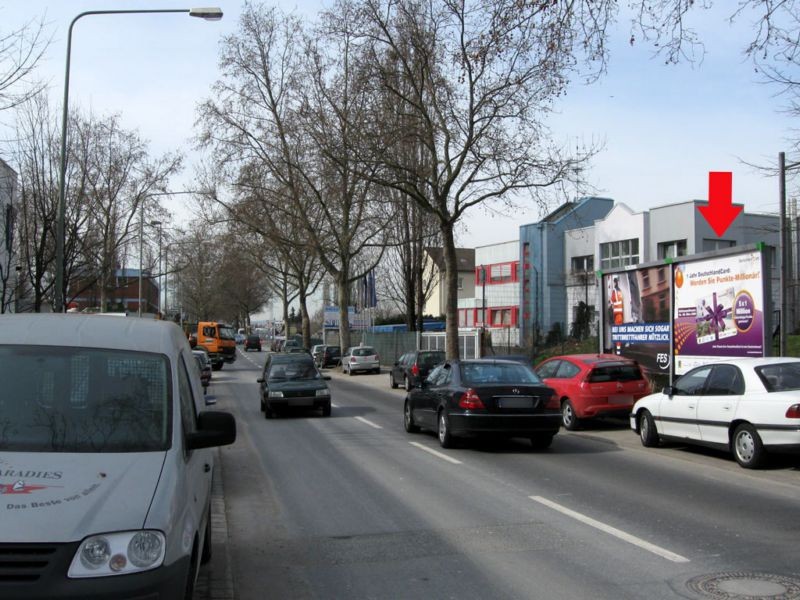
[(785, 251)]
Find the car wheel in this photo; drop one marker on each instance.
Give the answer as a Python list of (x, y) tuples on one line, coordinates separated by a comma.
[(326, 410), (392, 382), (350, 371), (205, 556), (268, 412), (568, 417), (647, 429), (445, 438), (216, 367), (408, 419), (406, 383), (542, 442), (377, 371), (747, 447), (191, 576)]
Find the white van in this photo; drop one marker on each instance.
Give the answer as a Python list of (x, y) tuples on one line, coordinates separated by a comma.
[(105, 459)]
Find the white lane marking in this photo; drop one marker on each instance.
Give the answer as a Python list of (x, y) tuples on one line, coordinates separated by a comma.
[(435, 453), (334, 405), (370, 423), (618, 533)]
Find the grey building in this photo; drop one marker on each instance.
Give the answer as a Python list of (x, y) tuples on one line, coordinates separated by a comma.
[(543, 292), (8, 255)]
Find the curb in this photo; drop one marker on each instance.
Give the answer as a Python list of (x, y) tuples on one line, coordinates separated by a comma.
[(215, 580)]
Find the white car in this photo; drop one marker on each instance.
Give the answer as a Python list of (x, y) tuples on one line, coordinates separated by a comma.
[(105, 460), (361, 358), (747, 406)]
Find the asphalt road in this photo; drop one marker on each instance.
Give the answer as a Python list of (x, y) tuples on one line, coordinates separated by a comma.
[(351, 506)]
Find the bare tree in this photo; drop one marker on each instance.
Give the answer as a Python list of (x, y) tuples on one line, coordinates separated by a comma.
[(8, 253), (477, 79), (20, 51)]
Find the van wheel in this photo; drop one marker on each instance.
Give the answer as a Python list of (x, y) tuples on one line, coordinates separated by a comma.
[(216, 367), (207, 549), (191, 576)]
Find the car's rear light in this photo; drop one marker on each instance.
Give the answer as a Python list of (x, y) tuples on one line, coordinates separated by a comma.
[(470, 400), (378, 357), (552, 402), (793, 412), (415, 370), (353, 359)]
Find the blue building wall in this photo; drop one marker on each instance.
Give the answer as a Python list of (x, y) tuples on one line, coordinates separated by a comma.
[(542, 271)]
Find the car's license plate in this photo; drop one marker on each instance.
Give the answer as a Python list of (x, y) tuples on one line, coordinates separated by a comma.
[(620, 399), (515, 402)]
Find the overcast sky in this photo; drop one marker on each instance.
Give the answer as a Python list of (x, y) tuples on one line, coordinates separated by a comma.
[(663, 127)]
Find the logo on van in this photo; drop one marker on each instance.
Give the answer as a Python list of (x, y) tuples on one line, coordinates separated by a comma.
[(20, 487)]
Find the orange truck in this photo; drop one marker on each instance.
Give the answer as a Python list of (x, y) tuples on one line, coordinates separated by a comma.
[(217, 339)]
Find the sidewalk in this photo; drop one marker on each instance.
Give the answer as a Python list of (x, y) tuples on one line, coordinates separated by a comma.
[(215, 581)]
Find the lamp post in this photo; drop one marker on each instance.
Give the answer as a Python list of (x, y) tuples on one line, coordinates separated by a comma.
[(785, 253), (209, 14), (158, 224)]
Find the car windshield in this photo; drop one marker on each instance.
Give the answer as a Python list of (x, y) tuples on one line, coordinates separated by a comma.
[(293, 370), (58, 399), (619, 372), (780, 377), (477, 373), (365, 351), (253, 338), (429, 359), (226, 333)]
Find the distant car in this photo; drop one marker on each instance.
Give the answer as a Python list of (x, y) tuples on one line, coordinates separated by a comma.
[(361, 358), (327, 356), (292, 380), (746, 406), (316, 350), (290, 344), (106, 453), (253, 342), (239, 338), (483, 397), (204, 364), (591, 385), (413, 367)]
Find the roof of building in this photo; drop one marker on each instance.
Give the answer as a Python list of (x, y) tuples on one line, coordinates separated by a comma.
[(465, 257)]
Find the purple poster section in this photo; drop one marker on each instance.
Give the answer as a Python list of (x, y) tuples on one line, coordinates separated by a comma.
[(718, 309)]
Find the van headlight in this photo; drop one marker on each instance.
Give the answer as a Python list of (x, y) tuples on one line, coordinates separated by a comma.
[(323, 392), (118, 554)]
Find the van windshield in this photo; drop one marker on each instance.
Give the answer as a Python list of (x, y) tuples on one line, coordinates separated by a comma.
[(226, 333), (58, 399)]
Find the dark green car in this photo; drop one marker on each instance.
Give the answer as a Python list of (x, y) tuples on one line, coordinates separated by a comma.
[(292, 380)]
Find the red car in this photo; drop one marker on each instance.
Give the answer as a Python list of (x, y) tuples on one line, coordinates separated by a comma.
[(591, 385)]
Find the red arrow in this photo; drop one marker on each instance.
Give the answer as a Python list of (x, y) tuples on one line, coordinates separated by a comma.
[(720, 212)]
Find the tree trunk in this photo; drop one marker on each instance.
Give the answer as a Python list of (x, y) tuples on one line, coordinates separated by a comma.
[(450, 289), (305, 321), (344, 301), (285, 301)]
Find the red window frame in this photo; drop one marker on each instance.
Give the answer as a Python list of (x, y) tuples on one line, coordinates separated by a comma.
[(513, 278)]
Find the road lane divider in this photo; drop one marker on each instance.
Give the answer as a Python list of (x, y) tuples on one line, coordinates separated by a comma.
[(435, 453), (617, 533), (368, 422), (334, 405)]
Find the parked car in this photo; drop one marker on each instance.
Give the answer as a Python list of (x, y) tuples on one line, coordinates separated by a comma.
[(253, 342), (483, 397), (296, 350), (592, 385), (288, 344), (204, 364), (112, 500), (327, 356), (361, 358), (316, 350), (413, 367), (292, 380), (747, 406), (239, 338)]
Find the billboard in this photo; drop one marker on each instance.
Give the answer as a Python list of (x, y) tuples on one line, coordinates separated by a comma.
[(637, 315), (356, 320), (719, 309)]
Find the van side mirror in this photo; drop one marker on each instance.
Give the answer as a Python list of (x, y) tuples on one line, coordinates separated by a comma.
[(260, 380), (211, 400), (214, 428)]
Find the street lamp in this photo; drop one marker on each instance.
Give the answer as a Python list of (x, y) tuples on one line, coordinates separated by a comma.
[(209, 14), (160, 231)]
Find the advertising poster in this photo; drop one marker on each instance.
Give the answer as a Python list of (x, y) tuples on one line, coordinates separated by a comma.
[(356, 320), (637, 316), (719, 309)]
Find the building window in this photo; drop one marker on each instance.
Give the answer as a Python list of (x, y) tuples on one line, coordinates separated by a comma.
[(500, 273), (712, 244), (460, 283), (582, 264), (672, 249), (622, 253)]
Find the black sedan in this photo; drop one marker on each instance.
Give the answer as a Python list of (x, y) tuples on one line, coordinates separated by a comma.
[(252, 342), (472, 398), (293, 381)]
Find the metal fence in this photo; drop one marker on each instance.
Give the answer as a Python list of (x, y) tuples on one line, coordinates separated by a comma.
[(391, 345)]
